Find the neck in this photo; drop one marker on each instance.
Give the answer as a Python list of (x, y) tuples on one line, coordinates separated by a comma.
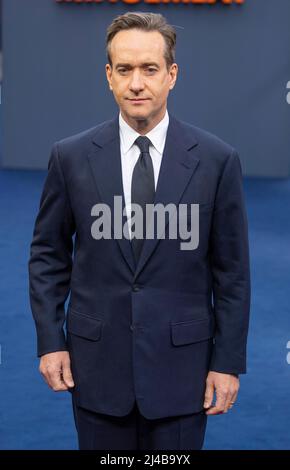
[(143, 126)]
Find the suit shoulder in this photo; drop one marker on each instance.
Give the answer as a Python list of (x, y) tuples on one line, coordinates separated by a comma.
[(209, 141), (211, 149), (73, 150), (81, 138)]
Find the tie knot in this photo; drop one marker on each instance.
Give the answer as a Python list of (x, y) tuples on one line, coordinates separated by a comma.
[(143, 143)]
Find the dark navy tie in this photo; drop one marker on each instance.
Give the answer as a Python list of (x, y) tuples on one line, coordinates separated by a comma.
[(143, 187)]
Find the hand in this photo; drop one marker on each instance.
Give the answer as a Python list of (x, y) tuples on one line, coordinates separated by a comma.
[(56, 371), (226, 387)]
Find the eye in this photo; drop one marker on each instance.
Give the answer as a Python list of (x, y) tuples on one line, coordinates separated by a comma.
[(151, 69), (122, 70)]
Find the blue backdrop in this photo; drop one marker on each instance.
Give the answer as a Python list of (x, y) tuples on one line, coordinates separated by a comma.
[(234, 68)]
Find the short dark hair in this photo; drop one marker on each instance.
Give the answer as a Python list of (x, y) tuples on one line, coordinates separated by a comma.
[(146, 22)]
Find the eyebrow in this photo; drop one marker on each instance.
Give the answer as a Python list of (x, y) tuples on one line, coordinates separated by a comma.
[(145, 64)]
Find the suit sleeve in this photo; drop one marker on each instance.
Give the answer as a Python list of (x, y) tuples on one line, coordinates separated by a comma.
[(50, 260), (229, 254)]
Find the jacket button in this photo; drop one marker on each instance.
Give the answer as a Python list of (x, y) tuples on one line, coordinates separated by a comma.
[(131, 327), (136, 288)]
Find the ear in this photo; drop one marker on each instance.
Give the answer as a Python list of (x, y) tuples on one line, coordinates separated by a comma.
[(109, 75), (173, 74)]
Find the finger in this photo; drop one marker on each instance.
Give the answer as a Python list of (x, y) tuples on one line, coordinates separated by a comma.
[(235, 396), (45, 378), (221, 398), (214, 411), (67, 375), (234, 399), (209, 393), (230, 401), (55, 380), (219, 406), (45, 375)]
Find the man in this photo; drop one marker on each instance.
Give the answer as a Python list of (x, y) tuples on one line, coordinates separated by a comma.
[(153, 330)]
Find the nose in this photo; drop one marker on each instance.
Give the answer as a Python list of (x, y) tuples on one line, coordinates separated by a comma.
[(136, 83)]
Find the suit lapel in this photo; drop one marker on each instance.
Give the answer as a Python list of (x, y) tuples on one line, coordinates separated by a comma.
[(105, 161), (178, 164)]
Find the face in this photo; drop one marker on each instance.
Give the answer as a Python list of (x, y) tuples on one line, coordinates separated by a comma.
[(139, 78)]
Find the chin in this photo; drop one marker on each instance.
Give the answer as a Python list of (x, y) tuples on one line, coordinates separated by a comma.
[(139, 115)]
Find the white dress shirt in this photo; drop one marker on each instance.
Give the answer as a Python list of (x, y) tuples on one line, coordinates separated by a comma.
[(130, 153)]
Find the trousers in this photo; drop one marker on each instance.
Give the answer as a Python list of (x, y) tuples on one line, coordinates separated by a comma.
[(97, 431)]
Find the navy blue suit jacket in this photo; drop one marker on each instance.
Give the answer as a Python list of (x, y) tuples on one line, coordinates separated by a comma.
[(149, 332)]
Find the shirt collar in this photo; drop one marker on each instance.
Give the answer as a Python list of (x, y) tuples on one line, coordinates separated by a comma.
[(157, 135)]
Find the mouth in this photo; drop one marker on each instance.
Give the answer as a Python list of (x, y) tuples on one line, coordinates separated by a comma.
[(138, 100)]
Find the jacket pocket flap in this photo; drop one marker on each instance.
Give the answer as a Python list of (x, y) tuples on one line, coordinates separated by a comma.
[(82, 325), (192, 331)]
